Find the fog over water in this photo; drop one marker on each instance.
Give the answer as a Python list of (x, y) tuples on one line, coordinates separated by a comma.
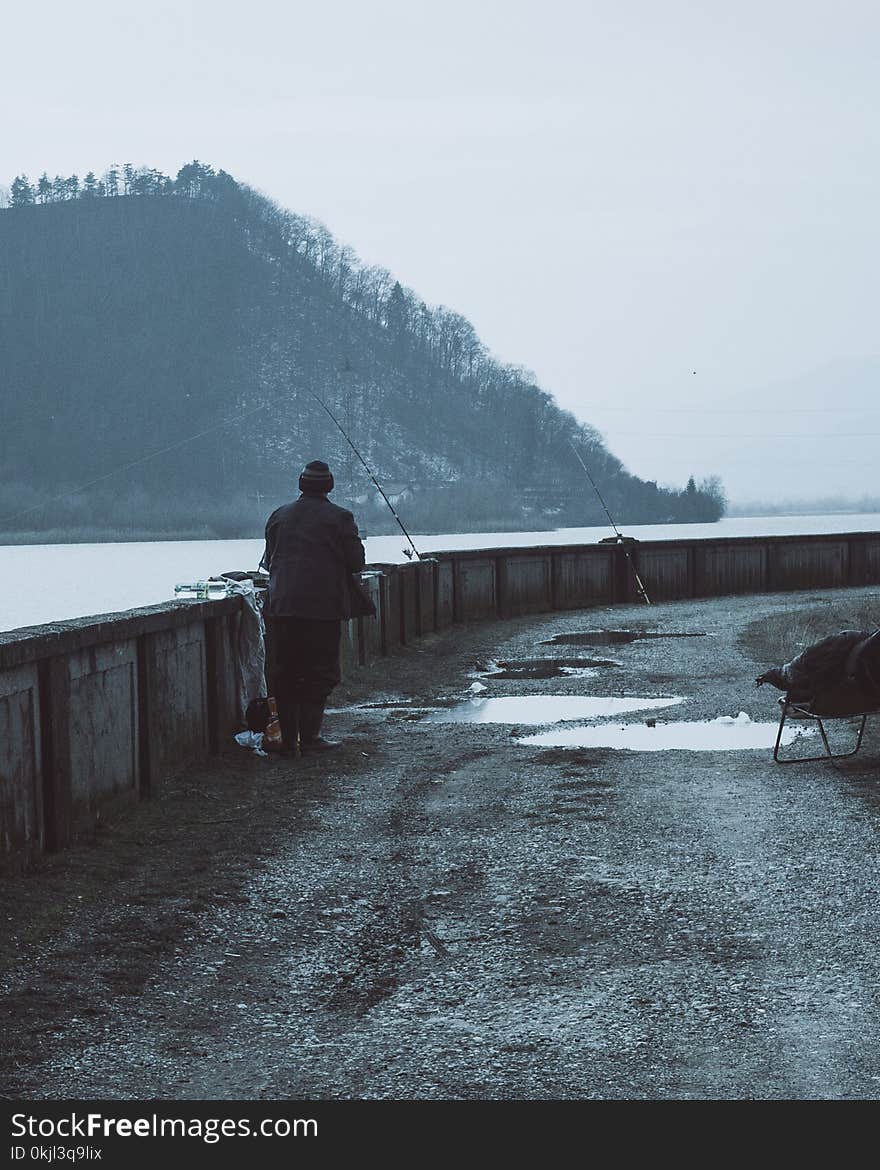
[(54, 582)]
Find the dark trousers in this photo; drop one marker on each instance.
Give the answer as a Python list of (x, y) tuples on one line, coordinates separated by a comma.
[(304, 666), (305, 657)]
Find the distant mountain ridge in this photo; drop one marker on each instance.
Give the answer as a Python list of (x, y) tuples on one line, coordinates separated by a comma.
[(166, 342)]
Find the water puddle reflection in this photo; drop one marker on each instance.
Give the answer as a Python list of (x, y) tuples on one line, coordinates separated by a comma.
[(539, 709), (717, 735), (541, 668), (613, 637)]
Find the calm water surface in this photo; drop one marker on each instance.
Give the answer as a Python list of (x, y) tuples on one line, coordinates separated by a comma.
[(46, 583)]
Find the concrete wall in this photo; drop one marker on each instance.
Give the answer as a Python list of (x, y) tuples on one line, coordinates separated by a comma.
[(21, 779), (864, 561), (474, 586), (664, 570), (98, 710), (444, 597), (729, 569), (524, 583), (426, 597), (582, 576), (369, 629), (481, 583), (803, 564)]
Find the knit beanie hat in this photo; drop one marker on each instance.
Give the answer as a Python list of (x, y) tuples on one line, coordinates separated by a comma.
[(316, 479)]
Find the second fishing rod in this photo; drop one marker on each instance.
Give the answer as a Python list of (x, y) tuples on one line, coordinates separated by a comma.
[(621, 540), (410, 552)]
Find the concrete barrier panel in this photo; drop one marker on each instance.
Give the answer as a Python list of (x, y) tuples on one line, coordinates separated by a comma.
[(103, 726), (664, 572), (720, 569), (392, 609), (93, 708), (474, 588), (408, 578), (370, 628), (389, 606), (524, 582), (177, 715), (805, 564), (21, 780), (865, 562), (349, 651), (582, 577), (223, 685), (426, 573), (445, 594)]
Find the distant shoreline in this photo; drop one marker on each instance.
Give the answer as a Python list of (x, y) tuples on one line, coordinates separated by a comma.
[(143, 536), (146, 536), (814, 508)]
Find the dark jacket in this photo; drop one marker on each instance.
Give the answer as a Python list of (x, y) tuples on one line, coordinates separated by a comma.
[(312, 548)]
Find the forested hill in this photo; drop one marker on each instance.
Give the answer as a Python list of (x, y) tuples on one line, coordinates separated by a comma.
[(161, 341)]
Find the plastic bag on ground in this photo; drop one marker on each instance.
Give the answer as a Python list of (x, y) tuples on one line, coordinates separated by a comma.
[(253, 740)]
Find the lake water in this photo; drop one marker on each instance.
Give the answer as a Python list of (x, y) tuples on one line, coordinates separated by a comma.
[(51, 582)]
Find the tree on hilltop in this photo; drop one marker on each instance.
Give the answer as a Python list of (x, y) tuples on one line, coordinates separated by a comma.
[(22, 193)]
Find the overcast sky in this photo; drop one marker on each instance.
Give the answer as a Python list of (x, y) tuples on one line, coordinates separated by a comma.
[(616, 194)]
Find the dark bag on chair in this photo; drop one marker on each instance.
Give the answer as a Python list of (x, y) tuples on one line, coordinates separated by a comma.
[(361, 603)]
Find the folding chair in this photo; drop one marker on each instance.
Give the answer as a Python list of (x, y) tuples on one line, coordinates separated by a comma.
[(803, 711), (856, 697)]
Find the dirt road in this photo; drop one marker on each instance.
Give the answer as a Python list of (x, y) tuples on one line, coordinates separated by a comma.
[(439, 910)]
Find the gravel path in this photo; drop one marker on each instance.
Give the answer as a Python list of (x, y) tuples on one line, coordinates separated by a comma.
[(440, 911)]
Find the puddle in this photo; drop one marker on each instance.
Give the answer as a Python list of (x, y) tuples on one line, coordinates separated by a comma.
[(397, 707), (714, 736), (613, 637), (383, 706), (538, 709), (548, 668)]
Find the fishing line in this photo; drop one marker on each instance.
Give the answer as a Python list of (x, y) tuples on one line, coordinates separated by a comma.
[(191, 439), (135, 463)]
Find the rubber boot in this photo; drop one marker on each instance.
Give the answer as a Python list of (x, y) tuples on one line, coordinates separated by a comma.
[(311, 716), (289, 717)]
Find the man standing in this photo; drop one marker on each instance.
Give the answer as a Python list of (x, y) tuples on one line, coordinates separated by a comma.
[(312, 549)]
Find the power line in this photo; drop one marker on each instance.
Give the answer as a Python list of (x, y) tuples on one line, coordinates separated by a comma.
[(735, 409), (771, 435), (152, 455), (694, 461)]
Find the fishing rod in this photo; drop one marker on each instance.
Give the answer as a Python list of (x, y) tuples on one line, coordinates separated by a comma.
[(621, 540), (379, 488)]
